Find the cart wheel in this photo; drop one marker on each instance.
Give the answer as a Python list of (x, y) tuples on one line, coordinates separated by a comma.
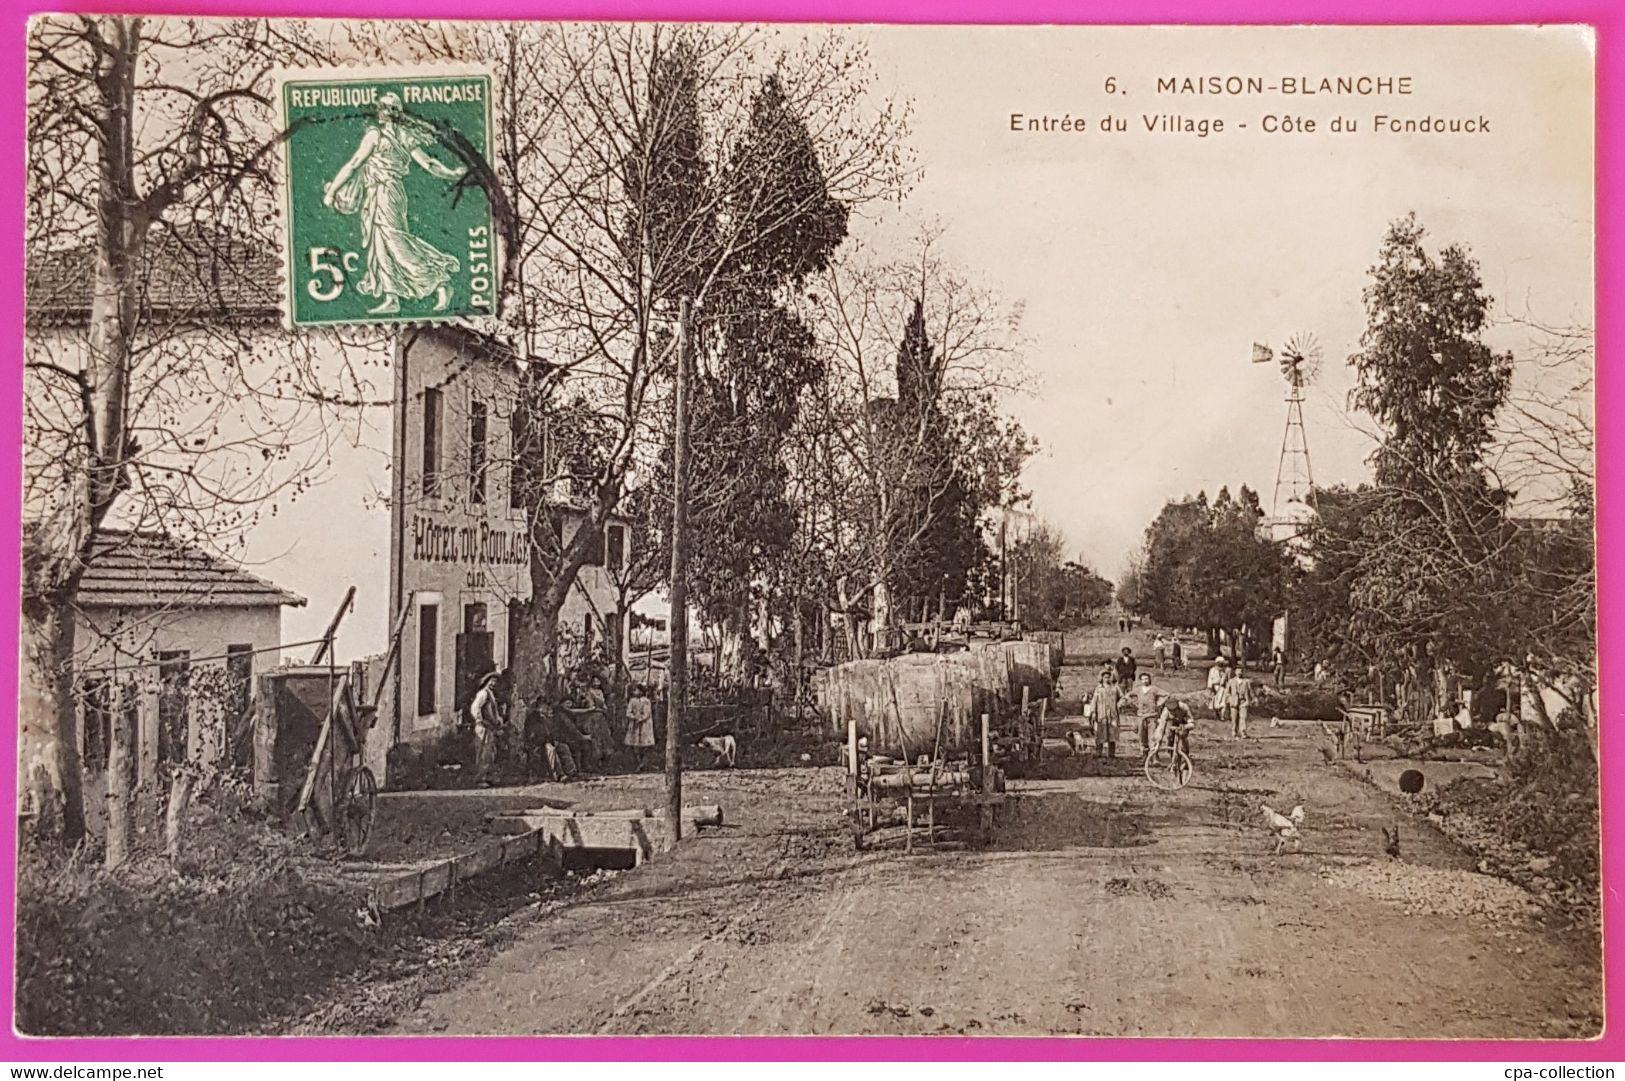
[(1168, 769), (358, 807)]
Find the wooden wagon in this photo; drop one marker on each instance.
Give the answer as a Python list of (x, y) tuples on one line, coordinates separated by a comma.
[(876, 783)]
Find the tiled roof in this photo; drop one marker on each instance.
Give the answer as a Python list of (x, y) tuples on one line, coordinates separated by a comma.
[(186, 275), (150, 570)]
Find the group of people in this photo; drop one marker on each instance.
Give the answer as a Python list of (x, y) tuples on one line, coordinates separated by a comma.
[(1169, 650), (1122, 687), (1232, 694), (560, 733)]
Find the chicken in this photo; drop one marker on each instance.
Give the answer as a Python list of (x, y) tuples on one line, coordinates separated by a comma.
[(1326, 753), (1390, 842), (1285, 827), (1339, 736)]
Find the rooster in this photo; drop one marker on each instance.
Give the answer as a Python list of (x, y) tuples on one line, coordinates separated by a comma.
[(1390, 842), (1285, 827)]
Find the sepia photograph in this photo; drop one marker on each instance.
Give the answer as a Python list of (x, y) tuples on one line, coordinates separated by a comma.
[(625, 528)]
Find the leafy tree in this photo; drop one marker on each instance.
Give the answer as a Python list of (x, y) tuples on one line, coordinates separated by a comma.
[(1426, 577), (1052, 591), (1211, 566), (1425, 374)]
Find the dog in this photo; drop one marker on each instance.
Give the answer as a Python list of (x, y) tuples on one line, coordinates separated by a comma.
[(725, 749), (1075, 740)]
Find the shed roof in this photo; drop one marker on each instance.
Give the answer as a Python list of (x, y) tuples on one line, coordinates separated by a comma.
[(186, 274), (130, 569)]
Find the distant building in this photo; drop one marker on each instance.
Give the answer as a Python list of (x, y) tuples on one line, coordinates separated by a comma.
[(174, 636)]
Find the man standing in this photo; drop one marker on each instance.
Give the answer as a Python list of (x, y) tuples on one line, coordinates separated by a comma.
[(1126, 667), (1279, 659), (1104, 713), (1238, 693), (1217, 677), (488, 726), (1160, 645), (1148, 700)]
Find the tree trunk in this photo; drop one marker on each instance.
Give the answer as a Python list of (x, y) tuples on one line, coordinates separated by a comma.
[(539, 619), (122, 765), (54, 550), (48, 728), (794, 682), (180, 798), (732, 659)]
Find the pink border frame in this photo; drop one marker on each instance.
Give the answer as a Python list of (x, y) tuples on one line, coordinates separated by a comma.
[(1610, 244)]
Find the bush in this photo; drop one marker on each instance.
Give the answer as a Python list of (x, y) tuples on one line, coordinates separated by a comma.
[(1548, 804), (229, 937), (1299, 704)]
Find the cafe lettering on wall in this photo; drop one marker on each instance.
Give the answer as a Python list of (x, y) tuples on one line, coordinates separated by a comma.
[(476, 546)]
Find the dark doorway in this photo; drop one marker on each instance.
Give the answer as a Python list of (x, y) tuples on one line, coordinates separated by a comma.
[(174, 689), (475, 653)]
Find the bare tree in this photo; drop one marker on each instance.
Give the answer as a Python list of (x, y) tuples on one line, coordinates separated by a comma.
[(155, 395), (874, 471), (598, 255)]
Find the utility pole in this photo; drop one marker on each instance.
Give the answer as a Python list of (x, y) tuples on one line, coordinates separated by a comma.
[(677, 662), (1004, 567)]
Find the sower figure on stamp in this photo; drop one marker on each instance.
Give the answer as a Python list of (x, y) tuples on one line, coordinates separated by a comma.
[(399, 264)]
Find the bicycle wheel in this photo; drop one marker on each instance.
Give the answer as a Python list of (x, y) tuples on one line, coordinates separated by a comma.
[(1168, 769), (357, 807)]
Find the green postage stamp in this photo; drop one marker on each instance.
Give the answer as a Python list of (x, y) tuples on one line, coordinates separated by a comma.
[(385, 210)]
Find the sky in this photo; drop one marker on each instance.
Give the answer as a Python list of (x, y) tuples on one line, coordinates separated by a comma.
[(1149, 264)]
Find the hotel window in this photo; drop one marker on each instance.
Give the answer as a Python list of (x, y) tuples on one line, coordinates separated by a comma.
[(431, 442), (428, 658), (476, 451)]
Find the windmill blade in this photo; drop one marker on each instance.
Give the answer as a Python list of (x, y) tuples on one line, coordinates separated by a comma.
[(1300, 359)]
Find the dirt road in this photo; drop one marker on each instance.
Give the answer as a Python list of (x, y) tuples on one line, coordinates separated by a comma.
[(1104, 907)]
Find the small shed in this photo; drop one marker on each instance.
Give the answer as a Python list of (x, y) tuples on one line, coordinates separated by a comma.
[(175, 636)]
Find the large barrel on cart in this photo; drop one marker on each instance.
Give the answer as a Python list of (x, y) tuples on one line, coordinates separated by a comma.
[(929, 703)]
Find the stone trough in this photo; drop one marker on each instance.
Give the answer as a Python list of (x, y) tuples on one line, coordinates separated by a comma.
[(543, 833), (637, 831)]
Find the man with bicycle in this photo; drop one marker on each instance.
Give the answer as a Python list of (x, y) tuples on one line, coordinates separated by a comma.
[(1174, 726)]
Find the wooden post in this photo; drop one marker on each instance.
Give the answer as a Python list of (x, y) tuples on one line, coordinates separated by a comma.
[(333, 627), (180, 798), (678, 662), (1043, 713), (121, 770), (985, 755)]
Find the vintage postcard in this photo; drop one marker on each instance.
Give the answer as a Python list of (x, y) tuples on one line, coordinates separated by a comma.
[(542, 528)]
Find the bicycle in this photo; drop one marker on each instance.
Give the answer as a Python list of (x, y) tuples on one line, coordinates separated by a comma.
[(1168, 763)]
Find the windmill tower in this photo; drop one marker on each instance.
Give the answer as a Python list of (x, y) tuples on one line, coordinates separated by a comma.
[(1299, 363)]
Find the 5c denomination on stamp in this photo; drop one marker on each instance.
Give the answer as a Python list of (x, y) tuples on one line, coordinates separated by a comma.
[(385, 216)]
